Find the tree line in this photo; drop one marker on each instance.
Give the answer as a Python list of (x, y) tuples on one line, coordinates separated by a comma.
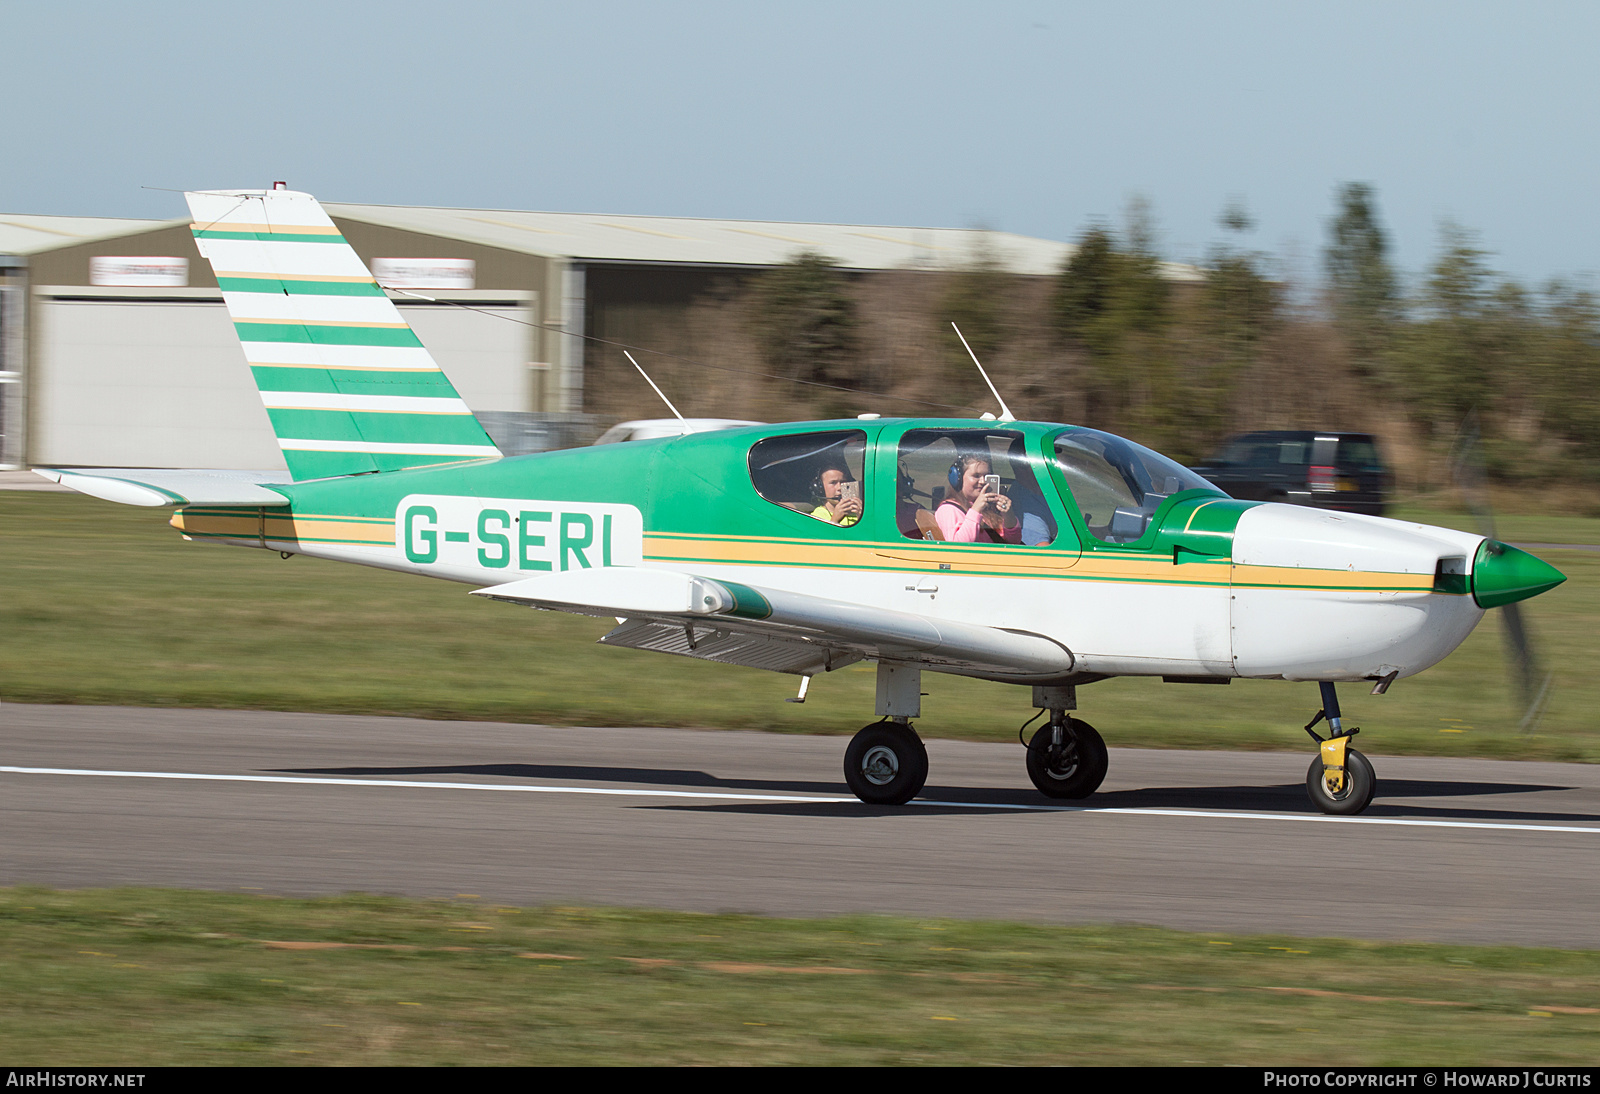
[(1179, 357)]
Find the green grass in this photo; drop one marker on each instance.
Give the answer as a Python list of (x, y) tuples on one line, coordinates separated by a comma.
[(101, 603), (1520, 527), (154, 977)]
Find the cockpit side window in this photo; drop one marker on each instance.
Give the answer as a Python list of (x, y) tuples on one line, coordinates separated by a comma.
[(1117, 485), (931, 471), (818, 474)]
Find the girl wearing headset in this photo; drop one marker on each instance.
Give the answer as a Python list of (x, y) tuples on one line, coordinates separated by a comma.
[(972, 512)]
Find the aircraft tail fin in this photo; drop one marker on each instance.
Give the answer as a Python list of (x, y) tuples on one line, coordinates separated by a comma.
[(347, 384)]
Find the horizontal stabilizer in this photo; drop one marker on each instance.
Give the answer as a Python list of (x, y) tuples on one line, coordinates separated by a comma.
[(731, 608), (168, 486)]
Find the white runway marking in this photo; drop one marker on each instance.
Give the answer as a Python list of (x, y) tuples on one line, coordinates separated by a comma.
[(522, 788), (721, 795)]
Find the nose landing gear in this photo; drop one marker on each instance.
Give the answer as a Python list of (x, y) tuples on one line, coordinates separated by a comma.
[(1340, 780)]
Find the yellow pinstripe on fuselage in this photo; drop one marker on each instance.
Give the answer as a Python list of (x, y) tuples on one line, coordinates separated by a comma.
[(906, 556)]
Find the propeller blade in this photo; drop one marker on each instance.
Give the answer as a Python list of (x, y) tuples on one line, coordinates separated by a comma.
[(1528, 677), (1531, 680), (1470, 474)]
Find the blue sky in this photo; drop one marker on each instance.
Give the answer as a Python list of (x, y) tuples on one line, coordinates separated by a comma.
[(1029, 117)]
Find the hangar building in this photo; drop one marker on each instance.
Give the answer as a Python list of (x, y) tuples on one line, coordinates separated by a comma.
[(116, 349)]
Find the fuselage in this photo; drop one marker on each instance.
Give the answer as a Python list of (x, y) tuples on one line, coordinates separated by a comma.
[(1170, 577)]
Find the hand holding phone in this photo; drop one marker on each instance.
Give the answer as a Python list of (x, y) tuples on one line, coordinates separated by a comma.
[(990, 498), (848, 503)]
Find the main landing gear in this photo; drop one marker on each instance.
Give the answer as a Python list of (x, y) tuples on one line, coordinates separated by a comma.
[(886, 763), (1340, 780), (1066, 758)]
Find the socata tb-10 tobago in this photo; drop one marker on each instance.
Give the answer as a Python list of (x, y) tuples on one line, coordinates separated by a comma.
[(1023, 552)]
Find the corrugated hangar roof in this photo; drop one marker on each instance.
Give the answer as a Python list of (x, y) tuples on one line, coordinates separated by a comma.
[(26, 234), (601, 237), (627, 238)]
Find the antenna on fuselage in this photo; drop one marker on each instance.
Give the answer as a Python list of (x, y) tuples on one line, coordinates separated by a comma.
[(1005, 411), (658, 391)]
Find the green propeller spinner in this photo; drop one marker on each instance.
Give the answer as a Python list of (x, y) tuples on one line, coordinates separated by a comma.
[(1502, 574)]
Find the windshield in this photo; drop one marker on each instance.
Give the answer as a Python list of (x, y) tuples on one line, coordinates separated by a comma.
[(1118, 485)]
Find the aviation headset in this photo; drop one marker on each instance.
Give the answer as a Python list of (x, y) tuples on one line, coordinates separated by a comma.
[(959, 468), (817, 490)]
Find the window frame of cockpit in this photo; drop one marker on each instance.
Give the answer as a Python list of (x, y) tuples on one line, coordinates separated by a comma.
[(1066, 535), (1074, 511), (814, 525)]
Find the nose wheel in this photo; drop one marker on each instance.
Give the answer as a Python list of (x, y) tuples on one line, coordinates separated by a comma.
[(1345, 796), (1341, 780)]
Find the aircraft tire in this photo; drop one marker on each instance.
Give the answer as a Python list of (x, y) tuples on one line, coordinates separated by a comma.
[(886, 764), (1360, 784), (1073, 776)]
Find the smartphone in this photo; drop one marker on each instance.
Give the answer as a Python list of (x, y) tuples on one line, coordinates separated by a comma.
[(992, 483), (849, 490)]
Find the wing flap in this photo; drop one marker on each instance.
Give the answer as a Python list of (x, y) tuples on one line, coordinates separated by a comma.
[(708, 642), (156, 486), (733, 608)]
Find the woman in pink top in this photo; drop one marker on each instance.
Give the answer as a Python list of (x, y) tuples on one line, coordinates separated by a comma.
[(973, 513)]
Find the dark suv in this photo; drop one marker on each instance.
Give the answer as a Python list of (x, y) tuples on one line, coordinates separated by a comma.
[(1304, 467)]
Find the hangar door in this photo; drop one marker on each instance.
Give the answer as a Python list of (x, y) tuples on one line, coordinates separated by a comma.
[(142, 378)]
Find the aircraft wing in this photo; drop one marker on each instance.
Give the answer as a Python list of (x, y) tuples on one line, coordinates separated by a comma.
[(169, 486), (718, 620)]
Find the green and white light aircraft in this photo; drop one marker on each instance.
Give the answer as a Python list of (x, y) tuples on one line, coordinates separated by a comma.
[(1027, 552)]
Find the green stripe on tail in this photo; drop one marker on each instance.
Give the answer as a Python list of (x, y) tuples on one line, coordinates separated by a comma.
[(305, 317)]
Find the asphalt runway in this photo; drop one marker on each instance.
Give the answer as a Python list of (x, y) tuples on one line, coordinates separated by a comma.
[(1451, 850)]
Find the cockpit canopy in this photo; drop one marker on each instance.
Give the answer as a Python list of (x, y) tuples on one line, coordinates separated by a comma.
[(1117, 485), (1113, 485)]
